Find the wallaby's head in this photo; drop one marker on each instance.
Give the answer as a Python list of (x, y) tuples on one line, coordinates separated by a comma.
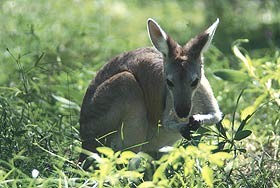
[(182, 64)]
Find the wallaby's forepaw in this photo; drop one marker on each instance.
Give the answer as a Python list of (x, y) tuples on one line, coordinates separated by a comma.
[(194, 123), (198, 119), (192, 126)]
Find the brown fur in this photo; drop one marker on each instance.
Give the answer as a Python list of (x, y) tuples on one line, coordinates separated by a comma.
[(146, 64), (129, 95)]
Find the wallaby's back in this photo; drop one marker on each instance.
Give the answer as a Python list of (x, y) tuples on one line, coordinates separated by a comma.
[(146, 65)]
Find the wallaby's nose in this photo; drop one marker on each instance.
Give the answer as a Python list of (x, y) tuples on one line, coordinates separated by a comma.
[(182, 112)]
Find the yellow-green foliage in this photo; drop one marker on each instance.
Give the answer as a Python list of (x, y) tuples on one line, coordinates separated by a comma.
[(180, 167), (50, 50), (187, 164)]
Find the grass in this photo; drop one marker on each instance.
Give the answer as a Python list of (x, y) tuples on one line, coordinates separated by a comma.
[(50, 50)]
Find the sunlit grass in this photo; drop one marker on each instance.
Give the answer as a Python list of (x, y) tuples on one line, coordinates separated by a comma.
[(50, 50)]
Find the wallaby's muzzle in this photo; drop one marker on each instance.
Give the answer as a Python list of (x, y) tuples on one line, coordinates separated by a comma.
[(182, 111), (182, 101)]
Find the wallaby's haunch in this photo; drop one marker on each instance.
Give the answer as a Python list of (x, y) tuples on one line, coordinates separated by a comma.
[(137, 90)]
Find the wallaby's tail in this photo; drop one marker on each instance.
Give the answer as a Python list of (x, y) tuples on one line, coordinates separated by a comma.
[(86, 144)]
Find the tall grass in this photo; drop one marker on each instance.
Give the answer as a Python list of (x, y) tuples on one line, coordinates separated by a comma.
[(50, 50)]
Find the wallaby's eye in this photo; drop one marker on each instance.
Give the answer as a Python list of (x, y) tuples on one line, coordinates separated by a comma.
[(169, 83), (195, 82)]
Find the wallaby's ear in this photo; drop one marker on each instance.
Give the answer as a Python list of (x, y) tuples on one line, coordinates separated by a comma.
[(210, 31), (201, 42), (157, 36)]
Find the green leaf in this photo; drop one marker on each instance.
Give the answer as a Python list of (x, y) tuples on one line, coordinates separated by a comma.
[(242, 150), (244, 58), (243, 123), (250, 110), (207, 175), (202, 130), (206, 148), (221, 129), (221, 146), (242, 134), (159, 173), (189, 167), (231, 75), (147, 184), (127, 154), (106, 151), (131, 174), (65, 103)]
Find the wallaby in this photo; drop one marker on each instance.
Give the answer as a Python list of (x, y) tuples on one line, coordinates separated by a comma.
[(145, 99)]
